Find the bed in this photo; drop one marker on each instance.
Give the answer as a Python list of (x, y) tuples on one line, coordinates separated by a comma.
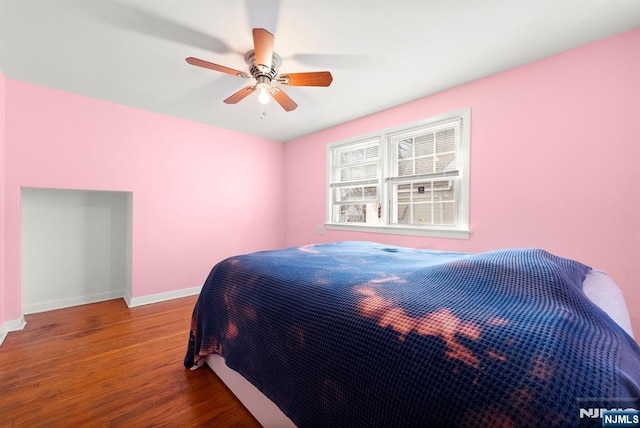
[(365, 334)]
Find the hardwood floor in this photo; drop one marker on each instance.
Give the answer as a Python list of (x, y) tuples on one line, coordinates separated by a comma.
[(105, 365)]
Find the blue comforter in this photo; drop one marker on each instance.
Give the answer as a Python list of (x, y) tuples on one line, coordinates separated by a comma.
[(357, 334)]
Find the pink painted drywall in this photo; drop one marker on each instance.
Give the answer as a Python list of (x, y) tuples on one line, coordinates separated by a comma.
[(195, 194), (554, 156), (2, 270)]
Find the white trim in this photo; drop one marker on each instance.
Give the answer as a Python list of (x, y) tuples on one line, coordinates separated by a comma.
[(51, 305), (132, 302), (127, 296), (19, 324), (402, 230), (101, 297), (11, 325)]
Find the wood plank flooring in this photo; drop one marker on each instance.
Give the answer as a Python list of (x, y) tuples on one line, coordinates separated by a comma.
[(105, 365)]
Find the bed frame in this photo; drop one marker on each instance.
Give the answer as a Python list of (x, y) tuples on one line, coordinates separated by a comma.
[(263, 409)]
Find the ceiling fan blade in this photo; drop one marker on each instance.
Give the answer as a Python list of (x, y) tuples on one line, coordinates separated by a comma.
[(314, 78), (240, 95), (216, 67), (283, 99), (263, 47)]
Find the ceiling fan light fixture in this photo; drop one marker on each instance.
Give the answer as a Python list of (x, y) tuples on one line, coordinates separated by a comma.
[(264, 96), (263, 83)]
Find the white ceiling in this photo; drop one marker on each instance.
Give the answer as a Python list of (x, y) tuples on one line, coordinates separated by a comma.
[(381, 53)]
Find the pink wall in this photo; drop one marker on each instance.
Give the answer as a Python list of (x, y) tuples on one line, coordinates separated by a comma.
[(554, 153), (194, 186), (2, 216)]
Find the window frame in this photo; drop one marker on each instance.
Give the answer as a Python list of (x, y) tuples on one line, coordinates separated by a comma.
[(385, 136)]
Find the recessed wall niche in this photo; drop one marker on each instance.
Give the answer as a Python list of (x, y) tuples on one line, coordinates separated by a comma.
[(76, 247)]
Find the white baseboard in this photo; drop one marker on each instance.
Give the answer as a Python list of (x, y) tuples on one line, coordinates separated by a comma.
[(11, 325), (51, 305), (16, 325), (132, 302)]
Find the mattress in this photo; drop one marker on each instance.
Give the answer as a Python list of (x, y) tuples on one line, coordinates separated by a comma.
[(604, 292)]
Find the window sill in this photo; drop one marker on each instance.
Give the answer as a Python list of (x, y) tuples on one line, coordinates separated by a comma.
[(403, 230)]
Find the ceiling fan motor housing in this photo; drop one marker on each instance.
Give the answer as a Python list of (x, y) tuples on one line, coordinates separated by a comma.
[(260, 73)]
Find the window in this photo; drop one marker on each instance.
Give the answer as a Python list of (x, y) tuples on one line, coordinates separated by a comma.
[(355, 184), (412, 179)]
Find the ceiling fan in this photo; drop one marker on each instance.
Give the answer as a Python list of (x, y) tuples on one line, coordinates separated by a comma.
[(263, 65)]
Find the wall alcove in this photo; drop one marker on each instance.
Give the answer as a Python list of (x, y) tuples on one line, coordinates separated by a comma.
[(76, 247)]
